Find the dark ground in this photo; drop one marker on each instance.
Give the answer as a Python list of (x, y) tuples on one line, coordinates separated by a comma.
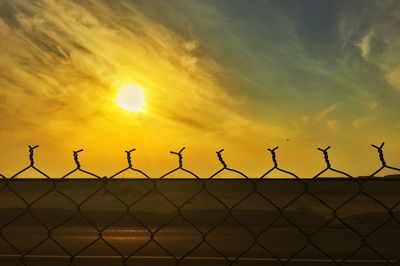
[(238, 218)]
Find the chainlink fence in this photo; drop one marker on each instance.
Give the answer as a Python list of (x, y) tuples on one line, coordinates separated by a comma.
[(225, 219)]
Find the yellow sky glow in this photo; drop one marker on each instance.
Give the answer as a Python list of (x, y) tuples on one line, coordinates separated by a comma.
[(65, 99)]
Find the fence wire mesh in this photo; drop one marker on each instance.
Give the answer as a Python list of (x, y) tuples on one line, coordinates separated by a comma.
[(208, 221)]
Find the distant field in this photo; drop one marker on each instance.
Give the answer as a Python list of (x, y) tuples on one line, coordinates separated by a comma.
[(230, 213)]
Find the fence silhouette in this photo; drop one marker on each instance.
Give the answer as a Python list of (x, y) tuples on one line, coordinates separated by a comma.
[(236, 235)]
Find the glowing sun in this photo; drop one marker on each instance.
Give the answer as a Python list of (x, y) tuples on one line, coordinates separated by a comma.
[(131, 98)]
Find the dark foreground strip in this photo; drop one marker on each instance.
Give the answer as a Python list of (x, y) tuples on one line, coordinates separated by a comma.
[(191, 258)]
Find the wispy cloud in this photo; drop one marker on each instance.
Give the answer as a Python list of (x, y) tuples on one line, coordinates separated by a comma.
[(213, 72), (362, 121), (364, 45), (69, 57), (326, 112), (393, 77)]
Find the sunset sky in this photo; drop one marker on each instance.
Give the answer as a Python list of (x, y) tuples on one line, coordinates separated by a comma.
[(240, 75)]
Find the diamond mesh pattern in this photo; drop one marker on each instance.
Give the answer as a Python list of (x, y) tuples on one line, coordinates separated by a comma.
[(208, 221)]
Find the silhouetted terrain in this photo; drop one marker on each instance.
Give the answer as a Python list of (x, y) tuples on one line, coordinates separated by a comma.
[(229, 212)]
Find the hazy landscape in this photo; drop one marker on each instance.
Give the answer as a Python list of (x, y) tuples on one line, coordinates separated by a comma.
[(229, 212)]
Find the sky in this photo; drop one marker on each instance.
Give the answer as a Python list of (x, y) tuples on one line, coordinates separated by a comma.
[(240, 75)]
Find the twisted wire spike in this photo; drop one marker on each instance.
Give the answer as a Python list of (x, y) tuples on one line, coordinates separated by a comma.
[(180, 157), (221, 159), (129, 158), (380, 151), (326, 156), (273, 154), (76, 159), (31, 159)]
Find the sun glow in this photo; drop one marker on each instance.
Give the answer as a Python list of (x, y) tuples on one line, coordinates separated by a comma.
[(131, 98)]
